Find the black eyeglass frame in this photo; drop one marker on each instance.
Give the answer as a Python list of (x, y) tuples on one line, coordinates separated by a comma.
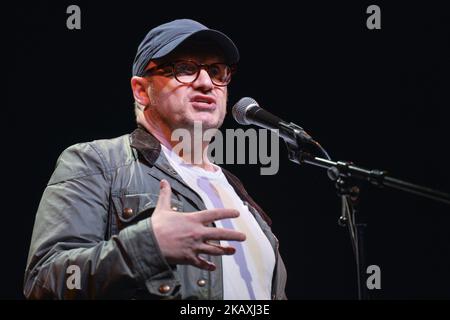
[(158, 70)]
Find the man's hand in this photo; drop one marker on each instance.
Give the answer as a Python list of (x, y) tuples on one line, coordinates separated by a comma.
[(183, 236)]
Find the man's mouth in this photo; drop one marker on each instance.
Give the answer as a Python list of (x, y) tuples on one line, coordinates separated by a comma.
[(203, 102)]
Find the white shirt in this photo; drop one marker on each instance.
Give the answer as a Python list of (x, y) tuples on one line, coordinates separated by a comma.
[(248, 273)]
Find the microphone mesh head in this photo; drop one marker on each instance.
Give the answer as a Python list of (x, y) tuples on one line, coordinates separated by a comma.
[(240, 109)]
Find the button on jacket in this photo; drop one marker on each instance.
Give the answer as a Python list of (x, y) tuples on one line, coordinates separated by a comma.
[(93, 223)]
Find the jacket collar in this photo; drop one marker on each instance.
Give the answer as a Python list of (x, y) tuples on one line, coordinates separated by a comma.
[(148, 146)]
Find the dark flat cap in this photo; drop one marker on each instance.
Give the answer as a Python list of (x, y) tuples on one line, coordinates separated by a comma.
[(163, 39)]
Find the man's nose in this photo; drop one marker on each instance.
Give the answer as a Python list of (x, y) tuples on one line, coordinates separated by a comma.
[(203, 82)]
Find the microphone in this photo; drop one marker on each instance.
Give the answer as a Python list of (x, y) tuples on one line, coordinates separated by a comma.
[(247, 111)]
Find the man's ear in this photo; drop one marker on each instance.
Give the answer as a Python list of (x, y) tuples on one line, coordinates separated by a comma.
[(139, 87)]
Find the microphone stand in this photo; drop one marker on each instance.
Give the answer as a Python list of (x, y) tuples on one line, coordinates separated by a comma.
[(344, 174)]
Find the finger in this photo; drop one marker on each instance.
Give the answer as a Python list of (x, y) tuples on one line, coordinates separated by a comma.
[(165, 194), (208, 216), (204, 264), (215, 249), (228, 249), (224, 234)]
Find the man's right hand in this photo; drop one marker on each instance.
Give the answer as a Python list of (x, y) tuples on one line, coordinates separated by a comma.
[(183, 236)]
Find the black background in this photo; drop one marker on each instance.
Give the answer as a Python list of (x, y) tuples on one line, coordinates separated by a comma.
[(379, 98)]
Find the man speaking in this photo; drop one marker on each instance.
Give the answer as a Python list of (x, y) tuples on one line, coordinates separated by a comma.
[(132, 218)]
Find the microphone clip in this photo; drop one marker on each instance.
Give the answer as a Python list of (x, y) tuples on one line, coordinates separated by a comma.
[(298, 142)]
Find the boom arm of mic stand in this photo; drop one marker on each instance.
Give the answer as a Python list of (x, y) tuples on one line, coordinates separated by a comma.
[(376, 177)]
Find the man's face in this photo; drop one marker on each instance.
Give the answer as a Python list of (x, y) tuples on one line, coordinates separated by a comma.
[(176, 105)]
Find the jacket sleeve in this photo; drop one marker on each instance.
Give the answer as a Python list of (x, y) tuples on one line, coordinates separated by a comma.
[(69, 257)]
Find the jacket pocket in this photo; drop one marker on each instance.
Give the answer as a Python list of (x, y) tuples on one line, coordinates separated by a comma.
[(133, 207)]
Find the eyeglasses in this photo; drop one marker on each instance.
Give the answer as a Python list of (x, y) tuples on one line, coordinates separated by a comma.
[(187, 71)]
